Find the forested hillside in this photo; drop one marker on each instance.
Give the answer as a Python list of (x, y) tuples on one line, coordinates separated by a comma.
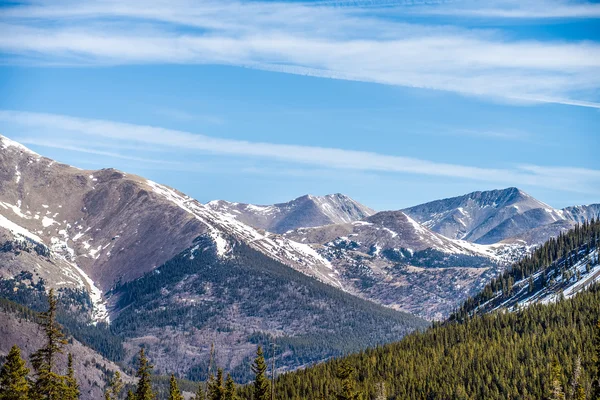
[(197, 299), (562, 266), (496, 356)]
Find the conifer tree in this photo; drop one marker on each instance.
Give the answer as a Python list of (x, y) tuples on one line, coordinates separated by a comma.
[(345, 374), (261, 382), (575, 383), (144, 387), (72, 387), (216, 391), (229, 388), (174, 392), (13, 377), (114, 388), (596, 382), (49, 385), (200, 394), (556, 389), (130, 395)]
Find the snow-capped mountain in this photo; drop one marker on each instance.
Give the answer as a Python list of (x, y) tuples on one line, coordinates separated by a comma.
[(109, 226), (303, 212), (162, 268), (391, 259), (582, 213), (493, 216)]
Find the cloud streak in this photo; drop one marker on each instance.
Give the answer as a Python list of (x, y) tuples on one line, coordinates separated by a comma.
[(323, 41), (561, 178)]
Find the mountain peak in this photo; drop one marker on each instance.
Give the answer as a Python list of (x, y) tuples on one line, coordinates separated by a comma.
[(302, 212), (485, 216), (6, 143)]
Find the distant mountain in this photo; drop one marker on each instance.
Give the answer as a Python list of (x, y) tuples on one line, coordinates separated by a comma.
[(304, 212), (388, 257), (582, 213), (493, 216), (164, 269)]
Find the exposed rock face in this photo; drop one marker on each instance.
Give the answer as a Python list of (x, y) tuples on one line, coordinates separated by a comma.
[(486, 217), (303, 212), (391, 259), (582, 213), (114, 226)]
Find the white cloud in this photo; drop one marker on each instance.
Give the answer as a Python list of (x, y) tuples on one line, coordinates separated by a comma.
[(129, 135), (324, 41)]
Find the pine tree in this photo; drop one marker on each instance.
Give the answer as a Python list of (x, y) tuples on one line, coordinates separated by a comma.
[(144, 387), (174, 393), (596, 381), (575, 383), (229, 388), (114, 388), (345, 374), (200, 395), (49, 385), (216, 391), (261, 382), (556, 389), (13, 377), (72, 392), (130, 395)]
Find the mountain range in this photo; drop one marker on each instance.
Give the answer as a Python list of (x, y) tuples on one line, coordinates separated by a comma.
[(143, 263)]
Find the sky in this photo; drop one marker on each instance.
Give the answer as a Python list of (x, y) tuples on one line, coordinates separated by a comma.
[(391, 102)]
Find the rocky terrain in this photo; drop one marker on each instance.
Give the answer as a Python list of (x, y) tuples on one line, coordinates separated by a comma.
[(312, 274), (303, 212), (499, 215)]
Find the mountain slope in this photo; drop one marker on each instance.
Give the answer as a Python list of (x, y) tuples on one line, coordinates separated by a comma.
[(485, 217), (496, 357), (197, 299), (390, 258), (484, 351), (108, 226), (166, 270), (562, 267), (303, 212), (17, 326)]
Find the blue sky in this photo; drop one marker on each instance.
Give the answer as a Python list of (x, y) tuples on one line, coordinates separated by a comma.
[(391, 102)]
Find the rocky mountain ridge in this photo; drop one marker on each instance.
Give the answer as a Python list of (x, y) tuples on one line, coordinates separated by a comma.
[(303, 212)]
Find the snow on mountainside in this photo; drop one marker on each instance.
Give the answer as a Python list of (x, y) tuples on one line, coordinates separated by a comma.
[(528, 291), (493, 216), (389, 230), (582, 213), (391, 259), (107, 226), (303, 212)]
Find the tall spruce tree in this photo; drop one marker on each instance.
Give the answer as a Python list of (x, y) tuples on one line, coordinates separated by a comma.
[(114, 388), (72, 387), (200, 393), (49, 385), (144, 386), (556, 391), (174, 392), (596, 382), (13, 377), (261, 382), (346, 374), (216, 391), (229, 389)]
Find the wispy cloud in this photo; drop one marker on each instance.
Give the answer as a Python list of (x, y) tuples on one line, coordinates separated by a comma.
[(324, 40), (562, 178)]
